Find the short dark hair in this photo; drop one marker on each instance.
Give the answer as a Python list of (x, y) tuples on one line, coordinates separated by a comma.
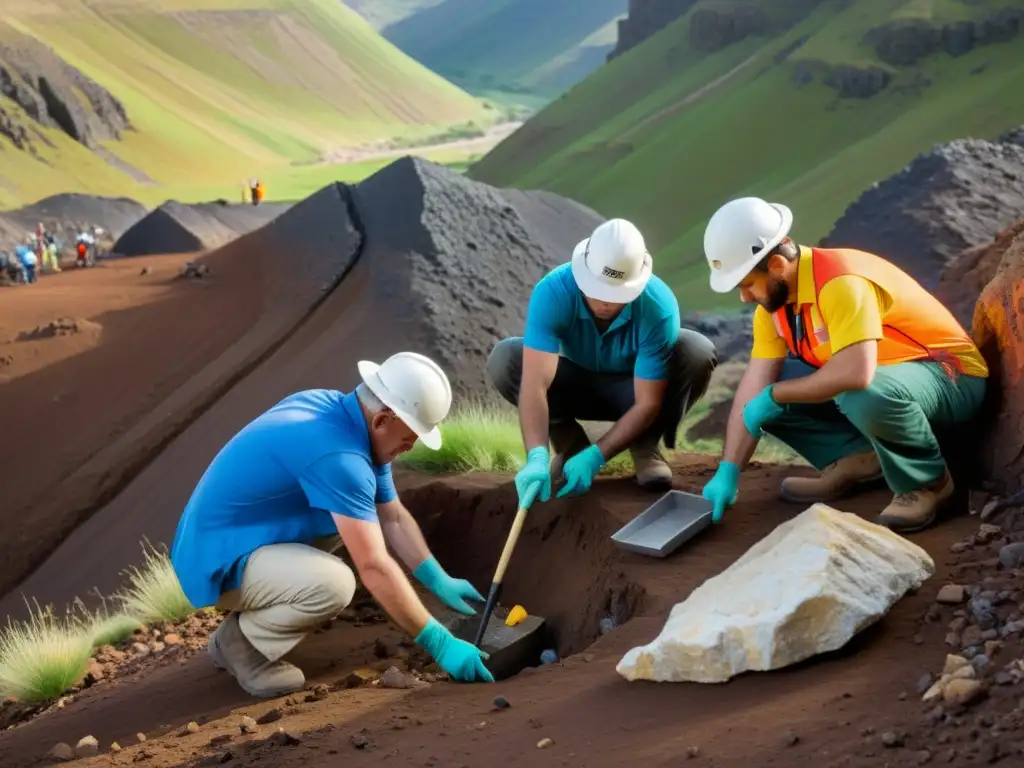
[(787, 249)]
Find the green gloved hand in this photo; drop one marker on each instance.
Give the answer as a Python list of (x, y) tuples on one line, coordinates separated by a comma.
[(534, 479)]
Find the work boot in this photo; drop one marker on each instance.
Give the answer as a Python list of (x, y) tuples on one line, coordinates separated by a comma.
[(916, 510), (652, 471), (231, 650), (567, 439), (840, 478)]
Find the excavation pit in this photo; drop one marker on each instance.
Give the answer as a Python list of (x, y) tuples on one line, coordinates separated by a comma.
[(565, 570)]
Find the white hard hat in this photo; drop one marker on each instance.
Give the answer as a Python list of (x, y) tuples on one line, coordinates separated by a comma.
[(415, 388), (739, 235), (613, 263)]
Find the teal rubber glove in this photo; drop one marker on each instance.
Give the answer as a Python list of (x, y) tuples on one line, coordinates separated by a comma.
[(761, 409), (534, 479), (451, 592), (580, 470), (461, 660), (721, 489)]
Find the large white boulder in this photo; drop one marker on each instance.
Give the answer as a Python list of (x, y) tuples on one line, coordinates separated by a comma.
[(807, 588)]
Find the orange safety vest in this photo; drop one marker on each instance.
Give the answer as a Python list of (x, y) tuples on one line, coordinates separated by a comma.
[(915, 327)]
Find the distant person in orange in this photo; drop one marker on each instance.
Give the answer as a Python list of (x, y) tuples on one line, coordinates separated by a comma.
[(854, 365), (257, 192)]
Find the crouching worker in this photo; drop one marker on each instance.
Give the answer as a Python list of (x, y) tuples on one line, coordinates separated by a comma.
[(854, 366), (308, 476), (602, 343)]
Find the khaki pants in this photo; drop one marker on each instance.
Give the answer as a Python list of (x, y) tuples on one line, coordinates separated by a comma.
[(288, 590)]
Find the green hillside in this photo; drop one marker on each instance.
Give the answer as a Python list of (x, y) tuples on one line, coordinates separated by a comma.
[(511, 49), (218, 91), (810, 114)]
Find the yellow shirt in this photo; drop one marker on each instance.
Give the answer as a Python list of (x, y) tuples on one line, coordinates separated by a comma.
[(849, 309)]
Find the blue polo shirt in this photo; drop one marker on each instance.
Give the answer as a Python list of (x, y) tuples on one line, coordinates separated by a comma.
[(278, 480), (641, 339)]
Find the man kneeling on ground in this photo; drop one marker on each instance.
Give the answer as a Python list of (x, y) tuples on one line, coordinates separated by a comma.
[(853, 364), (306, 477), (602, 343)]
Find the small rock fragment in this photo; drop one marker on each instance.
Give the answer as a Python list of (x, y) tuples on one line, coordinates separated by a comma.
[(962, 691), (172, 639), (790, 739), (318, 692), (1012, 555), (545, 743), (548, 656), (61, 752), (500, 702), (191, 727), (892, 739), (950, 594), (393, 677), (925, 682), (284, 739), (359, 740), (953, 663), (248, 725), (87, 746), (924, 756), (115, 747), (692, 752), (270, 716), (141, 737)]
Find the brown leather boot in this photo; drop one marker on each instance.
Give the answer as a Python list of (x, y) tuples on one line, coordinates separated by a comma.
[(916, 510), (652, 471), (567, 439), (840, 478)]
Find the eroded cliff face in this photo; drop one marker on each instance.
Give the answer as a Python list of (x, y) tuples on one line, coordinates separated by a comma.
[(647, 17), (48, 91)]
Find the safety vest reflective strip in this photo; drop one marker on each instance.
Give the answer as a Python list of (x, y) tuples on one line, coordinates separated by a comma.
[(917, 326)]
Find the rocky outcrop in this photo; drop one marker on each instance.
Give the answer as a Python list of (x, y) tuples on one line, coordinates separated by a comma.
[(855, 82), (56, 94), (904, 42), (806, 589), (946, 200), (712, 29), (645, 18), (1014, 136)]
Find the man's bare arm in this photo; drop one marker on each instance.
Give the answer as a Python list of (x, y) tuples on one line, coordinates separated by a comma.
[(402, 533), (851, 368), (381, 574), (538, 373), (739, 443), (647, 400)]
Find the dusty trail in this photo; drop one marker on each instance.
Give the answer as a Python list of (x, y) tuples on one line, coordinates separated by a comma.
[(479, 144)]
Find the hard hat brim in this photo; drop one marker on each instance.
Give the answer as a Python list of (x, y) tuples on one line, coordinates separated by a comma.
[(724, 282), (429, 436), (595, 289)]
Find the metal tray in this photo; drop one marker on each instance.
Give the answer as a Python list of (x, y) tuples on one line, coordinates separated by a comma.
[(666, 525)]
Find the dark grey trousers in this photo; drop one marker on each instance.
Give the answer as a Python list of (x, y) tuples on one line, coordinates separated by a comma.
[(577, 393)]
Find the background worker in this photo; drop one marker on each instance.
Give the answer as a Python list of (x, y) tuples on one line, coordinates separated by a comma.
[(258, 534), (874, 363), (602, 343)]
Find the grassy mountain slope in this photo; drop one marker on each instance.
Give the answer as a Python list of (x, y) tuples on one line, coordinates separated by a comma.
[(220, 91), (510, 46), (667, 132)]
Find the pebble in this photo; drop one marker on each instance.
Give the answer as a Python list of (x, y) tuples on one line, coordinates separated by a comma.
[(962, 691), (548, 656), (606, 625), (393, 677), (140, 648), (500, 702), (925, 682), (115, 747), (959, 547), (980, 661), (87, 746), (892, 740), (924, 756), (172, 639), (971, 636), (790, 739), (61, 752), (1011, 628), (692, 752), (953, 663), (248, 725), (359, 740), (141, 737), (545, 743), (156, 646), (1003, 678), (950, 594), (1012, 555), (192, 727)]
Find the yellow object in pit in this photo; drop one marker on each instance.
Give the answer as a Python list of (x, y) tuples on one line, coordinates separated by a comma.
[(517, 614)]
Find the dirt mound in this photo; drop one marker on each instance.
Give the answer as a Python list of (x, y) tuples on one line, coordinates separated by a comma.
[(452, 261), (54, 94), (178, 228), (998, 329), (66, 215), (946, 200)]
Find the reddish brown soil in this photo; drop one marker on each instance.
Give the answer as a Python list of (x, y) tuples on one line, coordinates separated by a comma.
[(565, 569), (65, 397)]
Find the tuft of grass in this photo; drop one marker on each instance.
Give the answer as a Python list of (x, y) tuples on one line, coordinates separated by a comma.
[(42, 657), (153, 592)]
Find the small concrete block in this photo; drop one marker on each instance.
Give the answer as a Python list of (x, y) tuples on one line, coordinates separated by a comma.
[(511, 649)]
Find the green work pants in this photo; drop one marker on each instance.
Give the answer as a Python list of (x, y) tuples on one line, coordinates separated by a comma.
[(897, 416)]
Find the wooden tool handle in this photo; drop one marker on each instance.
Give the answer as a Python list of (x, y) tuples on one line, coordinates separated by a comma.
[(510, 545)]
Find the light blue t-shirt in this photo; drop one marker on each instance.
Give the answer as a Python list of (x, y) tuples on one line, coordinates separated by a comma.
[(278, 480), (641, 339), (26, 256)]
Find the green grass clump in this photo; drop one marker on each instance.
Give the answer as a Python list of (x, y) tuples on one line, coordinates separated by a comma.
[(42, 657), (153, 592)]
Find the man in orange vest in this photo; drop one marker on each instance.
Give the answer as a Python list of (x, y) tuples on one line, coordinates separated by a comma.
[(853, 364)]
